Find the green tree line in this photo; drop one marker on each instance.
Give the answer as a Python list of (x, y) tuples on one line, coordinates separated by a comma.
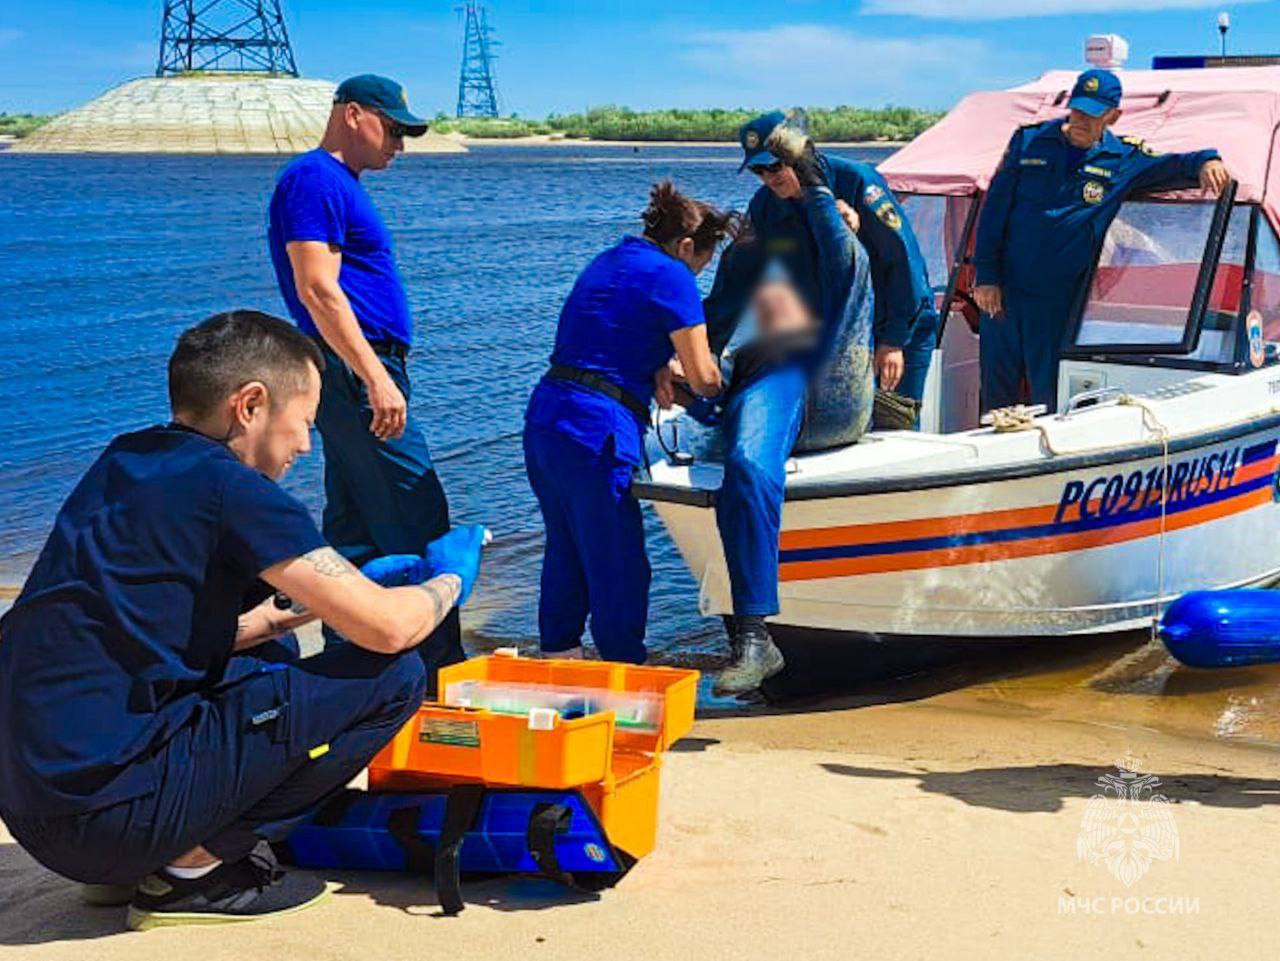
[(21, 124), (830, 124)]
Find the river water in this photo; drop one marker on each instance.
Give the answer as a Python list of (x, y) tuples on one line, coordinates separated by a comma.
[(104, 260)]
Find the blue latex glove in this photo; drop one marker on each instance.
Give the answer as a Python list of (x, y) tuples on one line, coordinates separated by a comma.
[(396, 570), (457, 552)]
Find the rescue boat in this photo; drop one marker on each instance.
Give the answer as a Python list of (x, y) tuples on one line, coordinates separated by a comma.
[(1158, 474)]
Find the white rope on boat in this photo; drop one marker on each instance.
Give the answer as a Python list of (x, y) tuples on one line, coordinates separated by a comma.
[(1006, 420)]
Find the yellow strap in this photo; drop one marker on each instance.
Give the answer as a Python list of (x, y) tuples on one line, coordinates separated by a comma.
[(528, 751)]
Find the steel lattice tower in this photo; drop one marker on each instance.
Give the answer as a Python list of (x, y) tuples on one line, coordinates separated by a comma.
[(477, 92), (236, 36)]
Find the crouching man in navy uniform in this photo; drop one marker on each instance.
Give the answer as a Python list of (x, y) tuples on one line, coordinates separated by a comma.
[(155, 725), (1043, 222)]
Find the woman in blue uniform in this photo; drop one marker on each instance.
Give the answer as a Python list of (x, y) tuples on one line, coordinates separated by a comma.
[(630, 309)]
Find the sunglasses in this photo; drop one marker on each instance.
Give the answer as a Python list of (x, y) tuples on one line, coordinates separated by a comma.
[(761, 169), (394, 128)]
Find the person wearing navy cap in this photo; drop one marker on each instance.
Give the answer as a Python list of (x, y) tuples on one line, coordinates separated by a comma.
[(906, 320), (1042, 225), (790, 224), (336, 267)]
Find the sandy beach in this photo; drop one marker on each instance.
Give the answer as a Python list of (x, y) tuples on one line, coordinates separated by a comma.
[(939, 817)]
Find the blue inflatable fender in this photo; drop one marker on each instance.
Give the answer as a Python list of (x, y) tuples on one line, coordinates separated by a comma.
[(1223, 628)]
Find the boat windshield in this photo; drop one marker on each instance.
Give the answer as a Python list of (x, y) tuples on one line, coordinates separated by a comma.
[(1144, 285)]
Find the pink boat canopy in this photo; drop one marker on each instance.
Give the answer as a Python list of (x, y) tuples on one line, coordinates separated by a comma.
[(1235, 109)]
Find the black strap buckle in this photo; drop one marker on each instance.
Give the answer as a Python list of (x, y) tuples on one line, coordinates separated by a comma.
[(601, 385)]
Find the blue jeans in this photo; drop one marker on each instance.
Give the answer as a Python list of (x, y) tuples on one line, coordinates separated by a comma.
[(381, 496), (595, 562), (1024, 342), (761, 423), (276, 738)]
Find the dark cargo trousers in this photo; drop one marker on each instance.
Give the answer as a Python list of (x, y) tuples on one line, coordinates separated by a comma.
[(381, 496), (277, 737)]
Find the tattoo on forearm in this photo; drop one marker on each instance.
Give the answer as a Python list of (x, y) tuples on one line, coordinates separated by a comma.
[(443, 592), (329, 562)]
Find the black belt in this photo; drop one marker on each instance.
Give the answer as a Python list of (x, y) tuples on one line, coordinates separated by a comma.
[(601, 385), (383, 348), (390, 348)]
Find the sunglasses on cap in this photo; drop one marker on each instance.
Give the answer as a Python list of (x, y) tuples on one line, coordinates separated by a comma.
[(761, 169)]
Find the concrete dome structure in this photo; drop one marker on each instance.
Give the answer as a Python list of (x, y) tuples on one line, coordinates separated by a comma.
[(203, 114)]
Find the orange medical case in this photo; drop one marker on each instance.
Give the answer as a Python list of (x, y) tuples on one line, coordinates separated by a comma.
[(615, 768)]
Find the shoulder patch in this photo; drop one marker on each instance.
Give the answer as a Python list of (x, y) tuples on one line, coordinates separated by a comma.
[(888, 215), (873, 193)]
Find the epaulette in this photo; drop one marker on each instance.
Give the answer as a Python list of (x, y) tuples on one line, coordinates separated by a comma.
[(1140, 144)]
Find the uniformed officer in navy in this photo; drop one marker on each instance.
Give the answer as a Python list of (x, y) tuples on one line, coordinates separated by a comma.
[(905, 323), (1042, 225)]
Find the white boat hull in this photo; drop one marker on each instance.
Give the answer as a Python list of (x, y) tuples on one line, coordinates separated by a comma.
[(1078, 551)]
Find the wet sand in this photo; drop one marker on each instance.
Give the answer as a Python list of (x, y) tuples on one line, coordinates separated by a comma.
[(935, 817)]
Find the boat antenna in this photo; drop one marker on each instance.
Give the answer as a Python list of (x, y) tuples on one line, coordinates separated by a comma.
[(1224, 24)]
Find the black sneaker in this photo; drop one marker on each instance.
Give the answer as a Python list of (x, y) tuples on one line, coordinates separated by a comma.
[(246, 890)]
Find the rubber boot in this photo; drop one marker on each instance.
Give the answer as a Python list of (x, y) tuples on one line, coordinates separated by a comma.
[(756, 658)]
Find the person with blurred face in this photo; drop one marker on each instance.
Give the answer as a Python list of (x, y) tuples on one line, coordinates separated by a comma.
[(805, 383), (1043, 222), (906, 320), (156, 724), (336, 269)]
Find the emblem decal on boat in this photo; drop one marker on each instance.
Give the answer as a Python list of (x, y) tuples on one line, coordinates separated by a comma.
[(1094, 192), (888, 215), (1257, 349)]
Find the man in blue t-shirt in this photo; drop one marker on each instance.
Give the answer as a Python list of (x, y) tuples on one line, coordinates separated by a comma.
[(156, 726), (336, 267)]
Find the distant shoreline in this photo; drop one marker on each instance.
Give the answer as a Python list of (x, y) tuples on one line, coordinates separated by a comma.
[(550, 140)]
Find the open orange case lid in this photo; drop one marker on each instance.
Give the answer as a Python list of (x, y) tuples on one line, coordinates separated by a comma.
[(678, 688)]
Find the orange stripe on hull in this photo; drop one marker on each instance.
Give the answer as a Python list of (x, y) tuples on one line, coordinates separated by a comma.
[(1031, 547), (980, 523)]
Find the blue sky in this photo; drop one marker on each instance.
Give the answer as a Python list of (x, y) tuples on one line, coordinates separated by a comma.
[(566, 55)]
